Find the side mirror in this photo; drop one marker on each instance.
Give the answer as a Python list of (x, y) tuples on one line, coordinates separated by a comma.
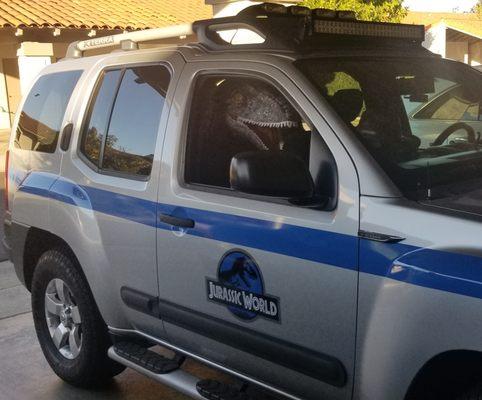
[(271, 173)]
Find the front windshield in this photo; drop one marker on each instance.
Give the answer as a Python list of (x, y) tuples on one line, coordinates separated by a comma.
[(420, 118)]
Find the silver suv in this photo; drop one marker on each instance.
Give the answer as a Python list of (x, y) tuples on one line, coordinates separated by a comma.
[(267, 201)]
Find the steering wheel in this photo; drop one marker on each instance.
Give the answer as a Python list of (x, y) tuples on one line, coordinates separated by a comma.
[(454, 128)]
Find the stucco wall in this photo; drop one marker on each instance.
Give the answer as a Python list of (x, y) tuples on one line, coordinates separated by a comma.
[(475, 53), (458, 51)]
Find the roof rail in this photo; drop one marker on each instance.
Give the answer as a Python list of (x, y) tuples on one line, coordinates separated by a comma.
[(128, 41)]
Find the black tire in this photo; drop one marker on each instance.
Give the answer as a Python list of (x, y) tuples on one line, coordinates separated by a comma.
[(91, 367), (475, 393)]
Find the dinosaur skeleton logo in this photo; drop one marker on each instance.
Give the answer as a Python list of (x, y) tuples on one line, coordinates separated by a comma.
[(240, 286)]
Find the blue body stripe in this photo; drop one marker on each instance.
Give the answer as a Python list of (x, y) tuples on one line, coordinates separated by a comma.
[(435, 269), (442, 270)]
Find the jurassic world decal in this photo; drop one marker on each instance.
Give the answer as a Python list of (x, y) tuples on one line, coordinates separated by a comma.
[(240, 287)]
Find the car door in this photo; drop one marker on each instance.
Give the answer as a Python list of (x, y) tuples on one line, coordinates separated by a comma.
[(107, 194), (249, 282)]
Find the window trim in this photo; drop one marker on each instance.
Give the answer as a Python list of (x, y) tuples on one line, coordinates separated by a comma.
[(181, 167), (88, 112)]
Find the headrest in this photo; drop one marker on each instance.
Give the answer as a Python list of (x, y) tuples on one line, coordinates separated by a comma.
[(347, 103)]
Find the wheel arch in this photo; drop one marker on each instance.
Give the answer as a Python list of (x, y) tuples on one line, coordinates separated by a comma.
[(38, 241), (446, 375)]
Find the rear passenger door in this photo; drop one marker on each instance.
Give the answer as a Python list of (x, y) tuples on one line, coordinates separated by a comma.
[(34, 150), (253, 282), (106, 199)]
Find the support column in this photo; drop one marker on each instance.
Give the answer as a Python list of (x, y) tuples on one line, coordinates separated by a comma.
[(4, 108), (32, 58)]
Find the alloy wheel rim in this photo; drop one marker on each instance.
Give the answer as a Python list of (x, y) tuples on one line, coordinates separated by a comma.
[(63, 318)]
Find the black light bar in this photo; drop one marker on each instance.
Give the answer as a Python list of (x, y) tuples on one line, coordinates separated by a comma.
[(373, 29), (300, 28)]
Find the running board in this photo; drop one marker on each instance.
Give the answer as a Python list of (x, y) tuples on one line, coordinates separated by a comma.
[(177, 379)]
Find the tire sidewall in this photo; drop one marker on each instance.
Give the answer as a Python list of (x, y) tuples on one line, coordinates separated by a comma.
[(54, 264)]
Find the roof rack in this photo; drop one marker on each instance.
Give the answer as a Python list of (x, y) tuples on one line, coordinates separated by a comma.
[(285, 28), (128, 41)]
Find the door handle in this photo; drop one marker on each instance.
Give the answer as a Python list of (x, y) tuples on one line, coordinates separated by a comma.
[(176, 221)]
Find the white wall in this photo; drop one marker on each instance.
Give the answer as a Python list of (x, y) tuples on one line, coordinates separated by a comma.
[(4, 110), (458, 51), (32, 58), (436, 38), (475, 53)]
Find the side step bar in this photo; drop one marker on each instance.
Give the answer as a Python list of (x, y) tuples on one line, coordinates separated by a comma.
[(177, 379)]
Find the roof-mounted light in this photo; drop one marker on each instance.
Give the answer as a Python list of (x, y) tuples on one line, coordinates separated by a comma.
[(299, 11), (346, 15), (374, 29), (272, 8), (324, 13)]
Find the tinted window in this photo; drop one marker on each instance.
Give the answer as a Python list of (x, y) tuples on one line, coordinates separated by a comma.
[(134, 124), (454, 104), (99, 116), (419, 118), (42, 114), (234, 115)]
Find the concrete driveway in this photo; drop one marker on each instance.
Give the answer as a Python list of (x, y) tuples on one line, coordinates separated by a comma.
[(25, 375)]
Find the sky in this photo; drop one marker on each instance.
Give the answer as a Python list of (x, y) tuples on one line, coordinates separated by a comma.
[(440, 5)]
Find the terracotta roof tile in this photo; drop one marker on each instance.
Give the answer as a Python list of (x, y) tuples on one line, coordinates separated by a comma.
[(101, 14)]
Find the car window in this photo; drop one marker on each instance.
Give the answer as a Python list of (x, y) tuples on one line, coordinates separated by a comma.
[(231, 115), (419, 118), (121, 132), (43, 112), (101, 107), (454, 104)]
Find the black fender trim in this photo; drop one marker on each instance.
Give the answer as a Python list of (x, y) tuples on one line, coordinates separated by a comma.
[(140, 301), (15, 237), (300, 359), (319, 366)]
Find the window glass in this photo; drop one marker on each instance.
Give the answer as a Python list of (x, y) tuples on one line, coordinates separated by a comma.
[(42, 114), (419, 118), (134, 123), (233, 115), (99, 116), (450, 101)]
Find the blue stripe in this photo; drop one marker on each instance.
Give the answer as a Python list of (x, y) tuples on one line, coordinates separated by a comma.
[(276, 237), (442, 270)]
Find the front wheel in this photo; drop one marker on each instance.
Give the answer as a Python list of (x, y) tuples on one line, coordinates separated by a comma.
[(70, 329)]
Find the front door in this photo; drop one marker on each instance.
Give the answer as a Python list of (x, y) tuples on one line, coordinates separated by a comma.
[(257, 283)]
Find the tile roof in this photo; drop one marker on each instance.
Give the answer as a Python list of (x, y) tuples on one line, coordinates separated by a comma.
[(101, 14), (468, 23)]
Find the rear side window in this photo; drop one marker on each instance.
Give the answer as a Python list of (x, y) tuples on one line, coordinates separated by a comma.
[(99, 116), (42, 114), (120, 134)]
